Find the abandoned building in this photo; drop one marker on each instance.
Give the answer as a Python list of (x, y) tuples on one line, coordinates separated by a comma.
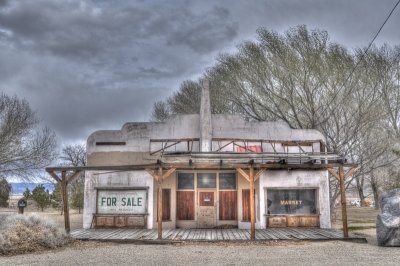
[(207, 171)]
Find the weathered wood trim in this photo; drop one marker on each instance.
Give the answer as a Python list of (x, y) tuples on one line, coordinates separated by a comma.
[(343, 201), (168, 173), (65, 200), (258, 174), (243, 173), (351, 171), (55, 176), (159, 203), (333, 172), (252, 204)]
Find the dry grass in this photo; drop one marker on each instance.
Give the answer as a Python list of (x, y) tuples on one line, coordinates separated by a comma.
[(28, 233)]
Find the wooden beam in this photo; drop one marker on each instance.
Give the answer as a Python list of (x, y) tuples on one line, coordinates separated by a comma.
[(55, 176), (252, 204), (65, 200), (168, 173), (73, 176), (333, 172), (243, 173), (258, 174), (351, 171), (342, 179), (153, 174), (159, 203)]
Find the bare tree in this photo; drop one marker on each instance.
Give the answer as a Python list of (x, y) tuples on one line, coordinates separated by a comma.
[(75, 155), (25, 148), (160, 111), (309, 82)]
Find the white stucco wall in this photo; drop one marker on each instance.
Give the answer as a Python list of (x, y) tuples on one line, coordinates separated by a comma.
[(115, 180)]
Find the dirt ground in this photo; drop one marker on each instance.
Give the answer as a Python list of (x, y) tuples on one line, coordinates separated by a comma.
[(361, 220)]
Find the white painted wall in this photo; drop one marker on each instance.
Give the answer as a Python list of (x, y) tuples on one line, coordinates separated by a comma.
[(115, 180)]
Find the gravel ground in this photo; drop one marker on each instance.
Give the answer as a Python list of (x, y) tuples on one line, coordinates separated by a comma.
[(280, 253)]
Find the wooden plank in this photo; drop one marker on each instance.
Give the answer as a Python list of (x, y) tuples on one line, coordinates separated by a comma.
[(246, 204), (225, 234), (213, 234), (252, 203), (295, 234), (322, 233), (174, 233), (231, 234), (244, 234), (185, 205), (243, 173), (109, 234), (228, 205), (135, 233), (236, 234), (64, 190), (219, 234), (186, 234), (343, 201), (166, 233), (278, 232), (268, 234), (191, 234), (258, 235), (166, 204), (140, 234), (159, 203), (129, 234), (209, 234), (203, 233)]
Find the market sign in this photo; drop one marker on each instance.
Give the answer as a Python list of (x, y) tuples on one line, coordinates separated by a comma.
[(122, 201), (291, 201)]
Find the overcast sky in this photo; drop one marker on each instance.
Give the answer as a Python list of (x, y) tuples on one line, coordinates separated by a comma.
[(90, 65)]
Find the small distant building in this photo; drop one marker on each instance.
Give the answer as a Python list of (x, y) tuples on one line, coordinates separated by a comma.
[(196, 171)]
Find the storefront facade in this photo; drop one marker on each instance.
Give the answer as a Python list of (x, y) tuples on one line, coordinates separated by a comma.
[(202, 180)]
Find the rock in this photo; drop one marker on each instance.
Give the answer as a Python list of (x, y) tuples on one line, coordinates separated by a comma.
[(388, 221)]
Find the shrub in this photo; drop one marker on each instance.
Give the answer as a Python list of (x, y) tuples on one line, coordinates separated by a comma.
[(28, 233)]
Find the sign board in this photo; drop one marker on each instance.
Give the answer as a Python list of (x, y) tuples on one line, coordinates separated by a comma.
[(122, 201), (22, 203)]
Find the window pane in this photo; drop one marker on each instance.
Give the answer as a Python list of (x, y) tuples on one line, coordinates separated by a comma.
[(185, 181), (227, 181), (206, 180), (291, 201)]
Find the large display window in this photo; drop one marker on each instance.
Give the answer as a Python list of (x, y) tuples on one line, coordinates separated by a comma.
[(291, 201)]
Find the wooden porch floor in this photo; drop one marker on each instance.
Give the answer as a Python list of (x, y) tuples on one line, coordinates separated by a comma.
[(177, 235)]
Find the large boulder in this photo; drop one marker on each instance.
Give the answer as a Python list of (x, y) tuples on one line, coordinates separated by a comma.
[(388, 221)]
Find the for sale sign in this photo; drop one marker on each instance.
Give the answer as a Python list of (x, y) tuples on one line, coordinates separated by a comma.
[(122, 202)]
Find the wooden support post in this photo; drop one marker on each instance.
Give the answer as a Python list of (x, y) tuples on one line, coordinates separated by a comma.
[(159, 203), (342, 179), (252, 204), (64, 190)]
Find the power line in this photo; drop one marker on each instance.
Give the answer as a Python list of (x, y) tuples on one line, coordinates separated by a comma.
[(370, 44), (364, 53)]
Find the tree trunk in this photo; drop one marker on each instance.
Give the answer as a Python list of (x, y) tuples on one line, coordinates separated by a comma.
[(360, 189), (375, 190)]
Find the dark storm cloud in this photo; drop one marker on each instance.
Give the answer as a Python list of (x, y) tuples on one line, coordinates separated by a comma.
[(89, 65)]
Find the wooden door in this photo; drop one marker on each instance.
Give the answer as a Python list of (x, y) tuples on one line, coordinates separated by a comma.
[(185, 205), (227, 205), (246, 204), (206, 209)]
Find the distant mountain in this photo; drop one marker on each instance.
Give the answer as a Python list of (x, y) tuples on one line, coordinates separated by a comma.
[(19, 188)]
